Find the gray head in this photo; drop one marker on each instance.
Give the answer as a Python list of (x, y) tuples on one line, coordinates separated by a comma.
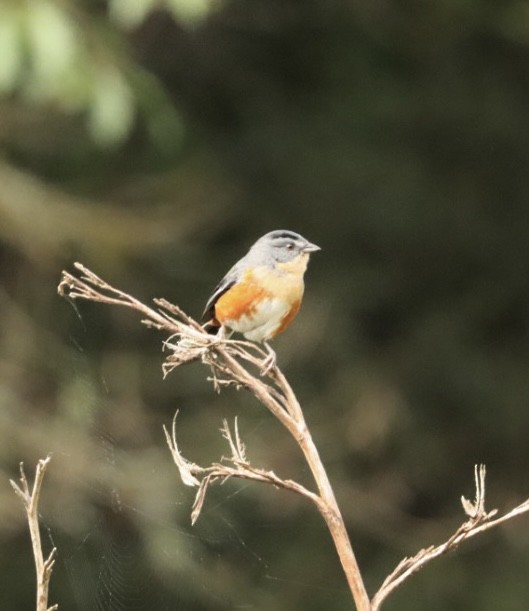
[(283, 246)]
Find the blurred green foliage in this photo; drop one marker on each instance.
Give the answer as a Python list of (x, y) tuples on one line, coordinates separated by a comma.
[(154, 141), (57, 53)]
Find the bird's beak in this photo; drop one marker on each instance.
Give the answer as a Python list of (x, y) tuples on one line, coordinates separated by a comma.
[(310, 247)]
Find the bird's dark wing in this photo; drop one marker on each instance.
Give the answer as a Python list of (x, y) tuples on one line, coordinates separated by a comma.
[(224, 285), (231, 278), (209, 310)]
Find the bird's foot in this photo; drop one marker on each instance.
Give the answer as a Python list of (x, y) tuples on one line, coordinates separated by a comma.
[(270, 361)]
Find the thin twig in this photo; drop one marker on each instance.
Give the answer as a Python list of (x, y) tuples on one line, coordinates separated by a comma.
[(236, 465), (30, 500), (479, 521), (90, 287)]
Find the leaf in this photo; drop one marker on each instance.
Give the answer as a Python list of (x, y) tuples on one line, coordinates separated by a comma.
[(112, 111), (52, 43)]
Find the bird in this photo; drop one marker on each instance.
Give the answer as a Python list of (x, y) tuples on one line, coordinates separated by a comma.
[(261, 294)]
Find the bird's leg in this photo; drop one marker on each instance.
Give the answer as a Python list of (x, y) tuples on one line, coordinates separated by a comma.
[(270, 361)]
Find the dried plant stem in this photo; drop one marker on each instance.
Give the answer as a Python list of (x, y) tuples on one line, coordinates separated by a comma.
[(30, 500), (478, 522), (329, 507), (231, 364), (330, 511), (224, 358), (294, 421)]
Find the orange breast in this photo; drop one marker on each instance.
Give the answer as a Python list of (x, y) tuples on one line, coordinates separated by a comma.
[(288, 318), (241, 299), (262, 304)]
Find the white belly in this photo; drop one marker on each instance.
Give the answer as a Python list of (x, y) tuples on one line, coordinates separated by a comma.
[(263, 323)]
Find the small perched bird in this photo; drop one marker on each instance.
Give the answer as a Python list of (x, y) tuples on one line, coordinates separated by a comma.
[(261, 294)]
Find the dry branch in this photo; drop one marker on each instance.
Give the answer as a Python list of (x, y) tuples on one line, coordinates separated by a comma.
[(228, 361), (235, 465), (30, 500), (479, 521), (239, 363)]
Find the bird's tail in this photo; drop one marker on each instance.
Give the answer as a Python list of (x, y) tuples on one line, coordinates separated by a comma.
[(212, 327)]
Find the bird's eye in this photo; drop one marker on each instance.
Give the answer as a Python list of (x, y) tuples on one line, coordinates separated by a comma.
[(290, 245)]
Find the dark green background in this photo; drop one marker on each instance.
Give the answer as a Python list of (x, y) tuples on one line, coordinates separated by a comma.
[(393, 134)]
